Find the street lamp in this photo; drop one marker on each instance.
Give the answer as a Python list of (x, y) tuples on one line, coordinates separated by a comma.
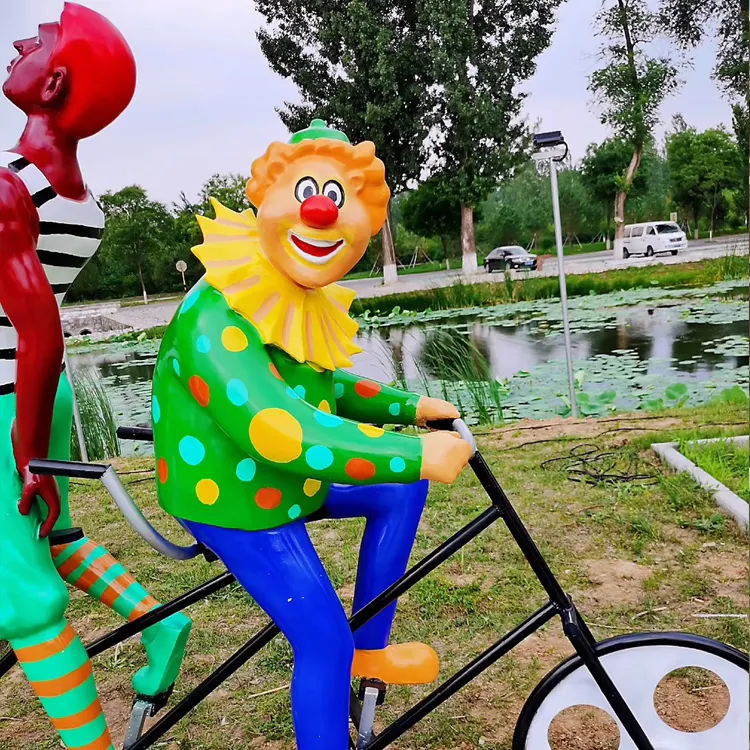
[(551, 147)]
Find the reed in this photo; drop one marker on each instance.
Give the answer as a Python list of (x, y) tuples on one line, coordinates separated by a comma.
[(97, 418), (462, 295), (462, 370)]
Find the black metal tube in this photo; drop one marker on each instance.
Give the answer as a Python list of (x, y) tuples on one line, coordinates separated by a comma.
[(8, 662), (191, 700), (463, 677), (419, 571), (161, 613), (146, 434), (425, 566), (590, 658), (146, 621), (74, 469), (519, 531)]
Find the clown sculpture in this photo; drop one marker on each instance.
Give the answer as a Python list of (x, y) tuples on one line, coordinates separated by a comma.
[(257, 428), (71, 80)]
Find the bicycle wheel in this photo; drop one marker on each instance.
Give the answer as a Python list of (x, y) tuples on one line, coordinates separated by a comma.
[(637, 664)]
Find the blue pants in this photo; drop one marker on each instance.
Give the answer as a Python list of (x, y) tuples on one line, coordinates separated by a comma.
[(281, 570)]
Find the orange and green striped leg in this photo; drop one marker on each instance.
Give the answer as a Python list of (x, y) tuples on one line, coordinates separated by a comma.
[(59, 670), (90, 568)]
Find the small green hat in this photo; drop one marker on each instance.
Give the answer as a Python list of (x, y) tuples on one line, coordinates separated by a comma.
[(318, 129)]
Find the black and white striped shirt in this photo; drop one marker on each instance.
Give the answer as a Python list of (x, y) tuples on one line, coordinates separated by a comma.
[(69, 234)]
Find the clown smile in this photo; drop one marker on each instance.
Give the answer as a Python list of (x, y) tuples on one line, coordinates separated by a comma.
[(315, 251)]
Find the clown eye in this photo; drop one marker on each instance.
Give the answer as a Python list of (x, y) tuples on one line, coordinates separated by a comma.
[(306, 188), (335, 192)]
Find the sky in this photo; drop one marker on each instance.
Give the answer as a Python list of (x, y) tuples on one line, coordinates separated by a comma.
[(206, 96)]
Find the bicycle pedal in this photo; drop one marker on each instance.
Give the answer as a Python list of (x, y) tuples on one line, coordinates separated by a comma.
[(372, 694), (379, 685), (144, 707)]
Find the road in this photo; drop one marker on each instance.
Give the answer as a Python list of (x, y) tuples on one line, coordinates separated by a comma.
[(161, 312), (583, 263)]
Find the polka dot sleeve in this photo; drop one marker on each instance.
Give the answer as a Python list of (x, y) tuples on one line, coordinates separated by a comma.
[(369, 401), (219, 357)]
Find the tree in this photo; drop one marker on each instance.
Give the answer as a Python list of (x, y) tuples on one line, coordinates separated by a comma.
[(601, 170), (480, 53), (649, 198), (361, 66), (690, 22), (702, 166), (518, 211), (430, 211), (228, 189), (578, 213), (630, 87), (138, 229)]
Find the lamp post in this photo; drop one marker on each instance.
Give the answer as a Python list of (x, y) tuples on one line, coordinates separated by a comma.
[(551, 147)]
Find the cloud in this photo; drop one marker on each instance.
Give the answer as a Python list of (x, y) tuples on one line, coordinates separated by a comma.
[(206, 97)]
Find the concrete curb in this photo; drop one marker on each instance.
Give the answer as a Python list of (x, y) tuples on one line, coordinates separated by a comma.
[(724, 497)]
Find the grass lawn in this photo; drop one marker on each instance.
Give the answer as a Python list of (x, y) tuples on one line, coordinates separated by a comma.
[(635, 556), (573, 248), (402, 271), (726, 462)]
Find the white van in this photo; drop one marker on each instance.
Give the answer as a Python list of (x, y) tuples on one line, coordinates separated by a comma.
[(653, 237)]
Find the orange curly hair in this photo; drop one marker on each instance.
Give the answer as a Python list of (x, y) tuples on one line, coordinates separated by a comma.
[(360, 161)]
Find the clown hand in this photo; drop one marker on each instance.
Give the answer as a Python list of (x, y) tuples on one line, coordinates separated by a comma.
[(444, 456), (434, 409)]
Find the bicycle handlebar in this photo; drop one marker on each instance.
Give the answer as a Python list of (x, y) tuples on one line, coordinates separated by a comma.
[(122, 499), (455, 425), (71, 469), (144, 434), (132, 512)]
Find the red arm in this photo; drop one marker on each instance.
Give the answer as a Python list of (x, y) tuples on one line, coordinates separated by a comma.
[(28, 301)]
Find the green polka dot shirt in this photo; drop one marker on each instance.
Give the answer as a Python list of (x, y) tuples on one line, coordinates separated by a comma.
[(245, 437)]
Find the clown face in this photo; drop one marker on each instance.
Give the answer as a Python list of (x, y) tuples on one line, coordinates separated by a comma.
[(313, 224)]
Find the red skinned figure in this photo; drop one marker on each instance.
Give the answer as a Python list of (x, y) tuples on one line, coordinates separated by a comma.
[(71, 80)]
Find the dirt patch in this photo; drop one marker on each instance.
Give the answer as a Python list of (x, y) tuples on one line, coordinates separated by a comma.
[(584, 728), (528, 430), (692, 700), (615, 582), (548, 648), (117, 710), (729, 573)]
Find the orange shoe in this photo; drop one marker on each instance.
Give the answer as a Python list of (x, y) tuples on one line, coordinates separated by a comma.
[(401, 664)]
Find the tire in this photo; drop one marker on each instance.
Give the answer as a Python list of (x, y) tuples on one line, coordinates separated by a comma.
[(649, 251), (637, 663), (625, 253)]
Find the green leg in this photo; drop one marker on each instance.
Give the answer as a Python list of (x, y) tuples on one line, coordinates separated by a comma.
[(91, 569), (33, 601), (58, 668)]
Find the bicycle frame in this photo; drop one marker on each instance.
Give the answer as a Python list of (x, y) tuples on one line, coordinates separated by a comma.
[(559, 604)]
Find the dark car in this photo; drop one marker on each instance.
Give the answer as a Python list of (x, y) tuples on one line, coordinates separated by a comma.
[(512, 257)]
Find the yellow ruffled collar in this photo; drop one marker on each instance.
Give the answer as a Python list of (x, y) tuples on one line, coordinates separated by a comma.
[(311, 325)]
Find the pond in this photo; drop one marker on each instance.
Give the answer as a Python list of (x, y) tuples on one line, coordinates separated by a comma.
[(634, 349)]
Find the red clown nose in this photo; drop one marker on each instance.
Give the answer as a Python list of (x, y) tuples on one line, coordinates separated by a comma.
[(319, 212)]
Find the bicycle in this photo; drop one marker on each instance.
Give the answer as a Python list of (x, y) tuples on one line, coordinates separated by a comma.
[(619, 675)]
